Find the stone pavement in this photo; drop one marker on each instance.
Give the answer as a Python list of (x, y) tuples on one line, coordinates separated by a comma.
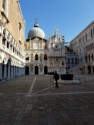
[(34, 100)]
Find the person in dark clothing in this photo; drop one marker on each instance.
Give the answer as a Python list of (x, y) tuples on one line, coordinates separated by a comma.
[(56, 77)]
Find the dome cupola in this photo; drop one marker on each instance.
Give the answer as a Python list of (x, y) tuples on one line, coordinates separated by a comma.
[(36, 31)]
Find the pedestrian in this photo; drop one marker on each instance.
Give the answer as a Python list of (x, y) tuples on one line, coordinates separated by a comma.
[(56, 77)]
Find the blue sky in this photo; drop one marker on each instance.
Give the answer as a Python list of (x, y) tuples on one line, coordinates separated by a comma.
[(70, 16)]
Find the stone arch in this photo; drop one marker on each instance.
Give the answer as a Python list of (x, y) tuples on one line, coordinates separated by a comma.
[(8, 68)]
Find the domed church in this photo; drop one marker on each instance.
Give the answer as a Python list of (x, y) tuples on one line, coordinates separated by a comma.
[(44, 56)]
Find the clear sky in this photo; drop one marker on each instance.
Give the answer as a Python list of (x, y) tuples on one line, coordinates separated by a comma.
[(70, 16)]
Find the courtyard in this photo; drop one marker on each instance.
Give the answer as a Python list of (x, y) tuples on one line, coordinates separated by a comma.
[(34, 100)]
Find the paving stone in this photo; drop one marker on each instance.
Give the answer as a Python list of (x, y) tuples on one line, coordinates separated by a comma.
[(46, 105)]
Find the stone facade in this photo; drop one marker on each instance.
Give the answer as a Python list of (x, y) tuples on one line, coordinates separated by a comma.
[(12, 39), (83, 45), (44, 56)]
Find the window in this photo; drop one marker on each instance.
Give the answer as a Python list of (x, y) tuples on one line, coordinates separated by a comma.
[(68, 60), (36, 57), (80, 41), (45, 56), (7, 44), (93, 30), (86, 59), (92, 57), (91, 33), (20, 27), (72, 60), (4, 39), (83, 39), (86, 37), (10, 47)]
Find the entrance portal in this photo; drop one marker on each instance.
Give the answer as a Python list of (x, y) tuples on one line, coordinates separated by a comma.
[(45, 69), (36, 70), (27, 70)]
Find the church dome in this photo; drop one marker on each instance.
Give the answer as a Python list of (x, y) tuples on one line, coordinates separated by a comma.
[(36, 32)]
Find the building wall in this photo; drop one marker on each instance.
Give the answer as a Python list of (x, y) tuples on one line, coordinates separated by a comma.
[(83, 45), (71, 59), (12, 39), (36, 48), (54, 51)]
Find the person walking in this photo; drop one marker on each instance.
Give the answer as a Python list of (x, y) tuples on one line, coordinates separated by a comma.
[(56, 77)]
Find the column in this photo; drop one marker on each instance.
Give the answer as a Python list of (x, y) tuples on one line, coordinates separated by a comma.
[(5, 71), (8, 71), (11, 71), (0, 71)]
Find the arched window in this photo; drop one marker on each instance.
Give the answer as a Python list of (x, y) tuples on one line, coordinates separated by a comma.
[(45, 56), (36, 57)]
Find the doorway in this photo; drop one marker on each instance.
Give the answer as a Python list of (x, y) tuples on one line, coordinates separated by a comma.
[(36, 70), (45, 69), (27, 70)]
